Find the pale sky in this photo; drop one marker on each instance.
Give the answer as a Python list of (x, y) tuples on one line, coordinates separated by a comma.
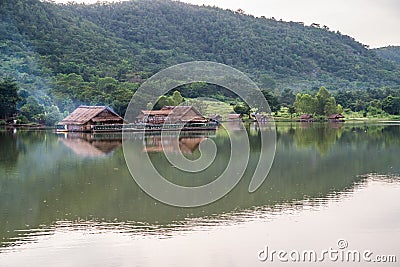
[(372, 22)]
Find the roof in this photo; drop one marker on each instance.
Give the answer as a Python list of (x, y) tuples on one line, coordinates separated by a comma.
[(174, 113), (83, 114), (306, 116), (336, 116)]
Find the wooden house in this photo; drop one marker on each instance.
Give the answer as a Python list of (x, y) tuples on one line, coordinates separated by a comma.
[(172, 115), (306, 118), (84, 117), (336, 117)]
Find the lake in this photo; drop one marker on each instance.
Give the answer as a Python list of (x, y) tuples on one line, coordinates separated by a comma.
[(69, 200)]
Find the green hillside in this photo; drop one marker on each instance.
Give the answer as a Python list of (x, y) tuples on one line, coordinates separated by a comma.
[(390, 53), (99, 54)]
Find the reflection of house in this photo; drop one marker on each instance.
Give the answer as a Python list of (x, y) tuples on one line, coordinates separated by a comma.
[(337, 117), (186, 145), (85, 146), (234, 117), (306, 118), (171, 114), (261, 118), (82, 118)]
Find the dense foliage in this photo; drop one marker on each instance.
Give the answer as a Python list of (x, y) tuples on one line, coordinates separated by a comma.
[(66, 55), (8, 98), (390, 52)]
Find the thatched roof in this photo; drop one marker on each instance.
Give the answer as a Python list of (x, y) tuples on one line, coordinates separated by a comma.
[(306, 116), (175, 114), (336, 116), (83, 114)]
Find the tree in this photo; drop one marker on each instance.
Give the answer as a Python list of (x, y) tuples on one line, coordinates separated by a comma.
[(291, 111), (32, 109), (323, 96), (339, 108), (305, 103), (242, 109), (391, 105), (272, 100), (330, 106), (52, 115), (8, 97), (177, 97)]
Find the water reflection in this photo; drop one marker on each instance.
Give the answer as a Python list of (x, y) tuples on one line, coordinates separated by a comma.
[(52, 186), (90, 145), (187, 145)]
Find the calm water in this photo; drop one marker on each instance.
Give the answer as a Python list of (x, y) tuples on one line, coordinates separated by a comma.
[(70, 200)]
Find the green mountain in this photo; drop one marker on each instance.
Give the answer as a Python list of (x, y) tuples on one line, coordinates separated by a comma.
[(93, 53), (390, 53)]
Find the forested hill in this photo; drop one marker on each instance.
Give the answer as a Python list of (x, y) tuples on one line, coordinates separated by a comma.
[(130, 40), (390, 53)]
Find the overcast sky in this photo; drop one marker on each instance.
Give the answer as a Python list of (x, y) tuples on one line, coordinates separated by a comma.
[(372, 22)]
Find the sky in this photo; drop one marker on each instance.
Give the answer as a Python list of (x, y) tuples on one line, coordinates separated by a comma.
[(372, 22)]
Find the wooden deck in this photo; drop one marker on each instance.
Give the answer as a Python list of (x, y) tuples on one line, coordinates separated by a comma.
[(141, 127)]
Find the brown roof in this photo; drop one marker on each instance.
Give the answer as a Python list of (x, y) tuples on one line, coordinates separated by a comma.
[(306, 116), (174, 113), (83, 114), (336, 116)]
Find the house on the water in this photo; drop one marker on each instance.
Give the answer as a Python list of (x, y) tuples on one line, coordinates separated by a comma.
[(84, 118), (336, 117), (306, 118), (172, 115)]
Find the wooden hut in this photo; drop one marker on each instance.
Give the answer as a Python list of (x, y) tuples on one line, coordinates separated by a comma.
[(336, 117), (84, 117), (171, 114), (306, 118)]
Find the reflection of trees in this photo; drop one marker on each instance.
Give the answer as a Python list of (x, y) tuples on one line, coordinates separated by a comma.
[(323, 136), (320, 136), (9, 150), (58, 185)]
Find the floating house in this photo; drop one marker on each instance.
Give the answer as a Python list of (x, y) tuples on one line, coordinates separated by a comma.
[(306, 118), (84, 118), (336, 117), (172, 115)]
